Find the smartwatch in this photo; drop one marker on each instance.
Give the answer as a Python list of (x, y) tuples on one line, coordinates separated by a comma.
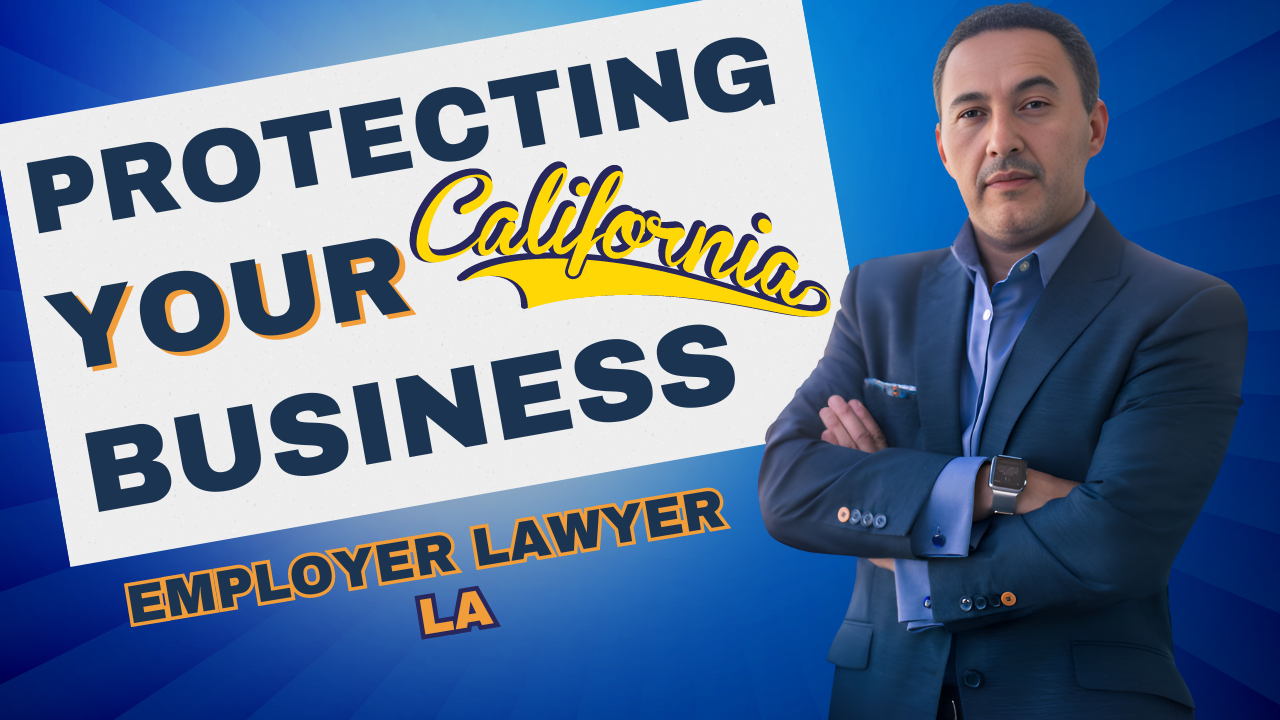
[(1008, 478)]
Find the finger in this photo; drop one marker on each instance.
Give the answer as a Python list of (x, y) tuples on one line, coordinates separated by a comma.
[(1042, 488), (877, 436), (1051, 486), (830, 437), (836, 428), (886, 563), (861, 437)]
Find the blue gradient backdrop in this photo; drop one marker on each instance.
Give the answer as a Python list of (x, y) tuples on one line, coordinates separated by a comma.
[(730, 624)]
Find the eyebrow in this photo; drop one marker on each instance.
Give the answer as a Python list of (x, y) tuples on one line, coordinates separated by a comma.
[(1031, 82), (1037, 81), (967, 98)]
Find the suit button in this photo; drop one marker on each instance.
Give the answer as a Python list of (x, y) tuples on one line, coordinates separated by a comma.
[(867, 519), (966, 604), (843, 514), (880, 521), (973, 678), (1008, 598), (980, 603), (995, 601), (854, 516)]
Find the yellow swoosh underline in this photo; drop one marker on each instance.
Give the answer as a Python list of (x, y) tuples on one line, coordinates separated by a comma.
[(542, 280)]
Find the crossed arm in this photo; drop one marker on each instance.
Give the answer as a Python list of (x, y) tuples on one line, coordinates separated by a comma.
[(1111, 538), (849, 424)]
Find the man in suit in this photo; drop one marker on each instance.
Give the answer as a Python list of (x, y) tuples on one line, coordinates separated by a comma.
[(1043, 335)]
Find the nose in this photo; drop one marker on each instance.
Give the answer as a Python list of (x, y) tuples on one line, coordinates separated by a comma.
[(1003, 138)]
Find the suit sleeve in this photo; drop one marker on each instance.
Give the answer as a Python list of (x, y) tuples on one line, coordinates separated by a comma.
[(1114, 537), (804, 481)]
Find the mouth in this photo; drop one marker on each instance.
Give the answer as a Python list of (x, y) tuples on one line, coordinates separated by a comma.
[(1006, 181)]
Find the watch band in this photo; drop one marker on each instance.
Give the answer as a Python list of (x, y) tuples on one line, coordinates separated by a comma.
[(1003, 502)]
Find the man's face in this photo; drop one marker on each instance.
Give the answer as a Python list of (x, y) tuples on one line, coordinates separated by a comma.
[(1014, 134)]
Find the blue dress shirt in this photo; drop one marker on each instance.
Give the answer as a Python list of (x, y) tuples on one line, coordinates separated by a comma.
[(945, 527)]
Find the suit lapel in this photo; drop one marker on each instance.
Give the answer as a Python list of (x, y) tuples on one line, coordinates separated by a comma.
[(1087, 280), (941, 324)]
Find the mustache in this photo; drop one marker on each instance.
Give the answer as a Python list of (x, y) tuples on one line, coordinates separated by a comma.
[(1007, 163)]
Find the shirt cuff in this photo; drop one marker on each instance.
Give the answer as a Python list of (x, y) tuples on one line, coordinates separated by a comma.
[(944, 524), (911, 581)]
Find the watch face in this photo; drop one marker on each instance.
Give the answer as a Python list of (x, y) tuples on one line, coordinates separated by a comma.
[(1009, 473)]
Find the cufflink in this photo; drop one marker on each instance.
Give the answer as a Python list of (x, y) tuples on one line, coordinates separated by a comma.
[(843, 514), (1008, 598), (927, 604), (939, 540)]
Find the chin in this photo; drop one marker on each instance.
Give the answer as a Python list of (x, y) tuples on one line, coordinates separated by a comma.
[(1014, 224)]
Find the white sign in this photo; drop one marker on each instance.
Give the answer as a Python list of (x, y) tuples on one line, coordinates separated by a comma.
[(426, 276)]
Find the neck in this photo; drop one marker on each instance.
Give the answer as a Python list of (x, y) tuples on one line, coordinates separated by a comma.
[(999, 254)]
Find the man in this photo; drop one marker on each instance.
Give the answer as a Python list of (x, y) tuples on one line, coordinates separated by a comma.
[(1042, 335)]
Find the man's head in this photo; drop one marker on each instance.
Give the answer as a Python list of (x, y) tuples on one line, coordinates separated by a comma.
[(1019, 117)]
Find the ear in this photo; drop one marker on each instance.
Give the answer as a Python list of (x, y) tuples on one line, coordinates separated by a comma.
[(942, 153), (1097, 128)]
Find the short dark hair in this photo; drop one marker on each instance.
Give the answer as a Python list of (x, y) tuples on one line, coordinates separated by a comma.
[(1019, 16)]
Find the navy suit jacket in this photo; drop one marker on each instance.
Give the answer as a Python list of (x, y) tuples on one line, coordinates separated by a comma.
[(1126, 377)]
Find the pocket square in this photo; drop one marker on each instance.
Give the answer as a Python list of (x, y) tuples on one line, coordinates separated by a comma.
[(890, 389)]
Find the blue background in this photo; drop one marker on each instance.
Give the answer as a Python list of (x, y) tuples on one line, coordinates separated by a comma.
[(730, 624)]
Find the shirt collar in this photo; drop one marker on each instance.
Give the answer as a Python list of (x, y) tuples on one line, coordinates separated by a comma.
[(1050, 253)]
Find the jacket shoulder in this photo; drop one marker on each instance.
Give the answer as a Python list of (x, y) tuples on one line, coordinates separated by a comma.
[(908, 262), (1165, 275), (1159, 287), (1177, 290), (898, 271)]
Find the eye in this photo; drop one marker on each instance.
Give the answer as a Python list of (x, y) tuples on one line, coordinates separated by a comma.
[(970, 114), (1036, 105)]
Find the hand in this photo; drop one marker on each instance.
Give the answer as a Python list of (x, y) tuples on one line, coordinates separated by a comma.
[(886, 563), (1041, 488), (849, 424)]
